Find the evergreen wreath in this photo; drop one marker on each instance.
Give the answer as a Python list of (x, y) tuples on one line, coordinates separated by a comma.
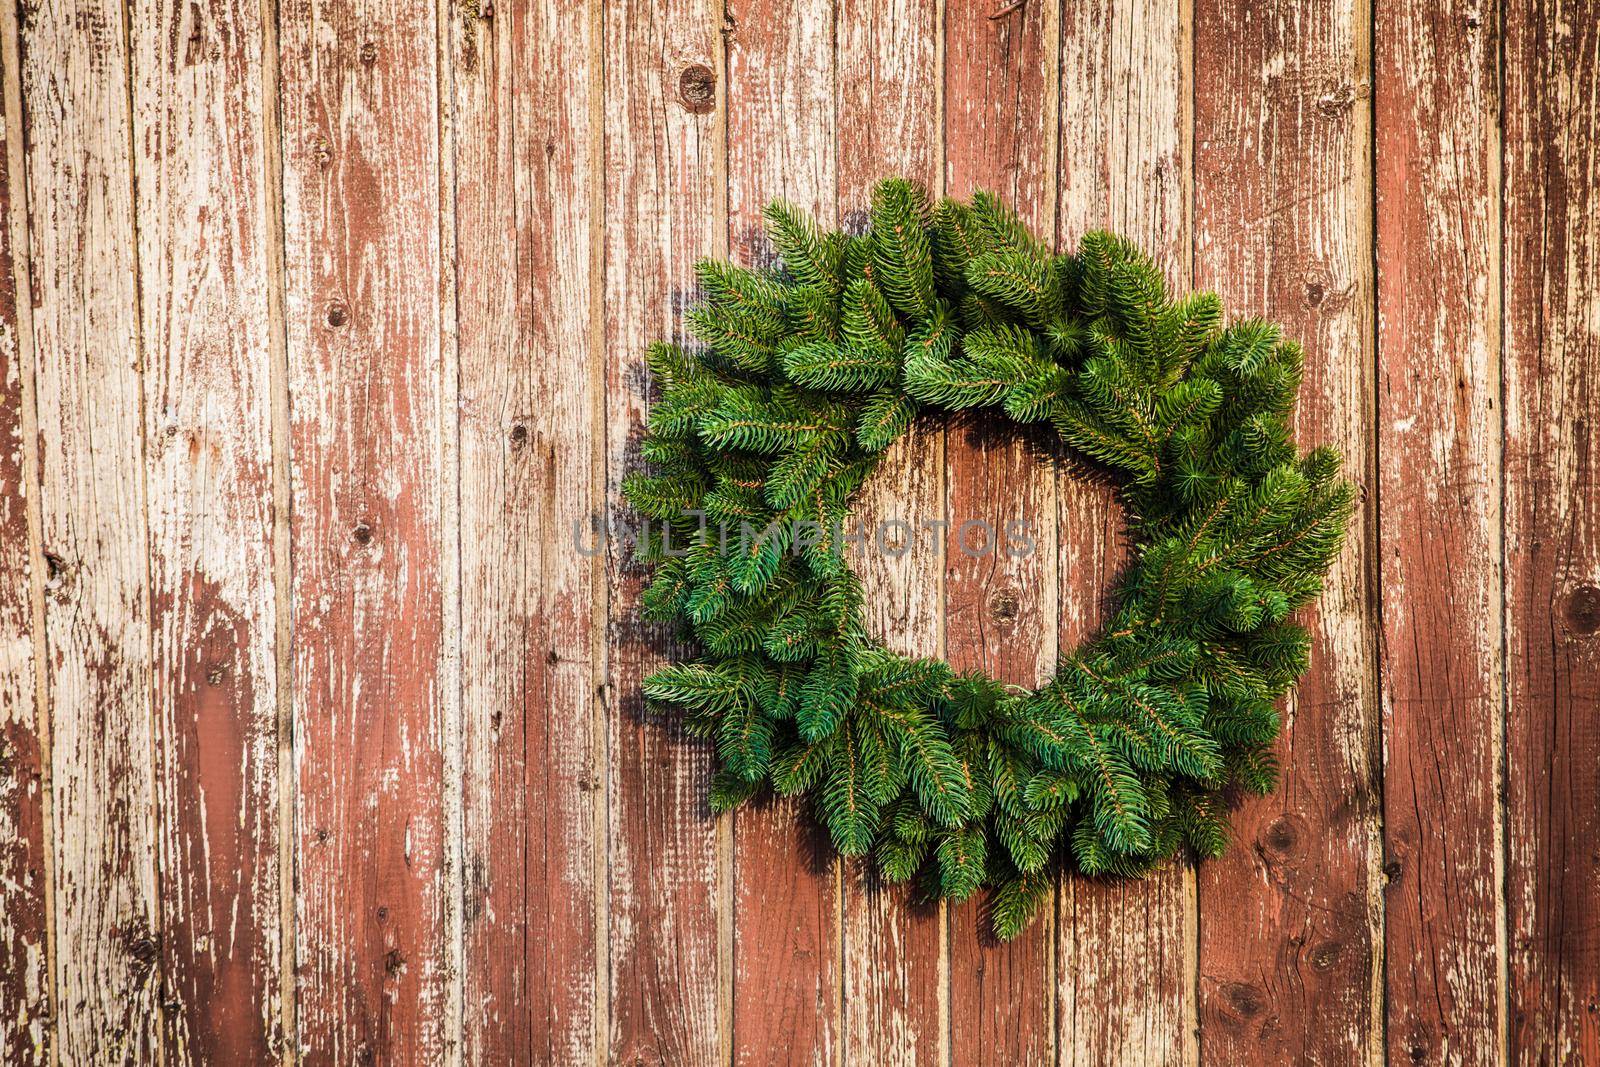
[(810, 371)]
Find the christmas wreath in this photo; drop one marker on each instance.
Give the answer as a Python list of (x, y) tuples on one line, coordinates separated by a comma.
[(808, 372)]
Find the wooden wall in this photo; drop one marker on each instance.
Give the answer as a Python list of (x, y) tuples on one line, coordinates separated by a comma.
[(321, 329)]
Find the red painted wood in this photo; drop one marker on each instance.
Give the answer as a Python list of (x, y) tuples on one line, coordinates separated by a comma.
[(1439, 527), (25, 981), (887, 123), (1283, 225), (525, 158), (1552, 528), (1125, 950), (200, 163), (787, 1002), (449, 418), (664, 210), (361, 218), (1000, 135)]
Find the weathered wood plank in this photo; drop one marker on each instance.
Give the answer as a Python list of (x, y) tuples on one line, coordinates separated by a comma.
[(1000, 132), (25, 964), (665, 208), (1439, 527), (888, 122), (362, 260), (1552, 532), (97, 622), (787, 1003), (1283, 185), (524, 171), (200, 170), (1125, 950)]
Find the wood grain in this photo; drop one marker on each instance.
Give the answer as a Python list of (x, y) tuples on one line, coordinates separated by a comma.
[(1000, 132), (1125, 951), (1552, 528), (888, 122), (524, 171), (25, 964), (1439, 528), (664, 197), (362, 259), (1283, 185), (87, 362), (199, 168), (320, 455), (787, 1002)]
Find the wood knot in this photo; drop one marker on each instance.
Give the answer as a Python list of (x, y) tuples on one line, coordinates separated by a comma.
[(1326, 956), (142, 947), (362, 534), (1582, 611), (55, 574), (216, 674), (321, 152), (1005, 606), (338, 313), (519, 436), (1246, 1000), (1281, 835), (697, 89), (369, 54), (1314, 294)]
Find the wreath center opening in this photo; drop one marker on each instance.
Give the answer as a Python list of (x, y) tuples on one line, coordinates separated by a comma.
[(1019, 542)]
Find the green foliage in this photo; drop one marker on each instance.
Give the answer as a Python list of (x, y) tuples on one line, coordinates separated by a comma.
[(809, 373), (901, 250)]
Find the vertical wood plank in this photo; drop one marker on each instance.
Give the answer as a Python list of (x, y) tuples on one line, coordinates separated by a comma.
[(1000, 132), (664, 209), (362, 260), (524, 171), (523, 176), (895, 997), (200, 169), (1552, 532), (1439, 519), (1288, 917), (25, 978), (87, 368), (786, 940), (1125, 949)]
